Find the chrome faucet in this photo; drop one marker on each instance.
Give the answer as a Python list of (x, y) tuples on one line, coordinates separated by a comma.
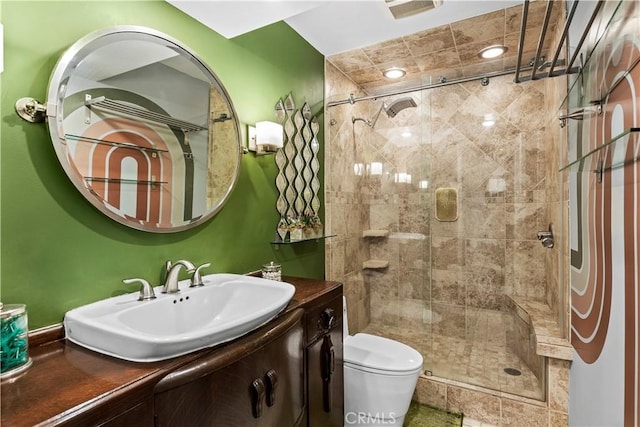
[(171, 281), (146, 290), (546, 237), (196, 279)]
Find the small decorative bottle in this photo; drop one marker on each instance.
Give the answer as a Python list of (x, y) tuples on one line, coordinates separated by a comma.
[(272, 271)]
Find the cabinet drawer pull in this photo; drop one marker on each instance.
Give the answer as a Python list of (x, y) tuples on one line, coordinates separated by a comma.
[(272, 384), (328, 318), (257, 396)]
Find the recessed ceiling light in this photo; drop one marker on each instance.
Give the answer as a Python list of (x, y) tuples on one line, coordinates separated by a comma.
[(394, 73), (492, 51)]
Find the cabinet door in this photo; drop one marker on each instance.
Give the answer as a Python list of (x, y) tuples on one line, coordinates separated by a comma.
[(222, 398), (263, 387), (284, 359)]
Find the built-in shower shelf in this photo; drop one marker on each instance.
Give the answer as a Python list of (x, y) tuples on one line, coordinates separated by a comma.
[(375, 264), (375, 233)]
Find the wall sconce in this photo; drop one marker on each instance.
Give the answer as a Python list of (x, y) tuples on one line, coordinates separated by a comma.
[(488, 120), (374, 168), (265, 137), (496, 185), (402, 178)]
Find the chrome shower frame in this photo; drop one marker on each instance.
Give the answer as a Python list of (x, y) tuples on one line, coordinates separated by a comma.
[(535, 71)]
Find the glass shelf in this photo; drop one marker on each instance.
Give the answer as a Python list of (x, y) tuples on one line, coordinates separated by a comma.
[(611, 155), (595, 47), (289, 241)]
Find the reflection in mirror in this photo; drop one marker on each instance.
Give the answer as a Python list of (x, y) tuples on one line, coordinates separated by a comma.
[(280, 111), (289, 103), (144, 129), (306, 111)]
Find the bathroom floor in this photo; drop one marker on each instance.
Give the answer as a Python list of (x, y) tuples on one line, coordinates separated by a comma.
[(426, 416), (469, 346)]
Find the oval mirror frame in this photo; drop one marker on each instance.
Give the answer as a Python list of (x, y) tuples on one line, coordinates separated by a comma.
[(144, 129)]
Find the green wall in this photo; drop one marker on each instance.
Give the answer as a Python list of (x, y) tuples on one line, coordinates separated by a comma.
[(56, 250)]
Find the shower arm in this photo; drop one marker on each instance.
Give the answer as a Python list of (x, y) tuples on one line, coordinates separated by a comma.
[(373, 122), (370, 122)]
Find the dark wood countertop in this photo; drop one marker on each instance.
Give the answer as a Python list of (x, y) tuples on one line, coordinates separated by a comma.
[(67, 380)]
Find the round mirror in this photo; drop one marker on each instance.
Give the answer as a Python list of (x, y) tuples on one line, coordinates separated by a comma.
[(144, 129)]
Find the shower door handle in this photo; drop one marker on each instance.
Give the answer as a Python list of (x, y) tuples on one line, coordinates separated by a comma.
[(327, 366)]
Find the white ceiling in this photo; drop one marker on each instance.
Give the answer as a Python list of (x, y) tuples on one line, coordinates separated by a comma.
[(331, 26)]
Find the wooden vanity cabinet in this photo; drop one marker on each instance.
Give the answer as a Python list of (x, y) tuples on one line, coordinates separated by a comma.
[(300, 351), (139, 415), (259, 381)]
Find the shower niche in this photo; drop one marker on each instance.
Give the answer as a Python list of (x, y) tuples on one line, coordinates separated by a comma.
[(297, 181)]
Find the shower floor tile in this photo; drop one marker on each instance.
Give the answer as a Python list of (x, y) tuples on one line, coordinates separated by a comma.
[(474, 351)]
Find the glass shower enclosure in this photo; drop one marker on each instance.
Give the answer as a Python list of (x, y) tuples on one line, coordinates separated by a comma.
[(436, 197)]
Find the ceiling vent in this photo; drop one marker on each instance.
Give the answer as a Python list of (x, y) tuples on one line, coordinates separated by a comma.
[(405, 8)]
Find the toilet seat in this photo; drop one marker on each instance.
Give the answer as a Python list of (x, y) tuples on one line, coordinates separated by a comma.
[(380, 355)]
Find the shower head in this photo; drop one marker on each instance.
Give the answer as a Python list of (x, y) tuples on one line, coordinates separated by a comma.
[(398, 105), (391, 110)]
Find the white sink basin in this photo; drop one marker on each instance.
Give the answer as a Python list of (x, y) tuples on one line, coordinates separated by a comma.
[(226, 307)]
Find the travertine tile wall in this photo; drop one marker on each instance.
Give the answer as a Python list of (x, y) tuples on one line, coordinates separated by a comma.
[(509, 187), (499, 172), (345, 213)]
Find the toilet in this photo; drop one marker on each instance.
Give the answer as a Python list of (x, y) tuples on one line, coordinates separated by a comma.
[(380, 376)]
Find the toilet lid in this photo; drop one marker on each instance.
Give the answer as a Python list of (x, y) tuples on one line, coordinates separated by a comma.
[(371, 351)]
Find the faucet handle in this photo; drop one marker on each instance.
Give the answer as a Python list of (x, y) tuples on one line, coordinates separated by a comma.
[(146, 290), (196, 279)]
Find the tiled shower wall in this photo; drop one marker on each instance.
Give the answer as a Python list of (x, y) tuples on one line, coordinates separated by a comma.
[(500, 173), (345, 212), (492, 250)]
